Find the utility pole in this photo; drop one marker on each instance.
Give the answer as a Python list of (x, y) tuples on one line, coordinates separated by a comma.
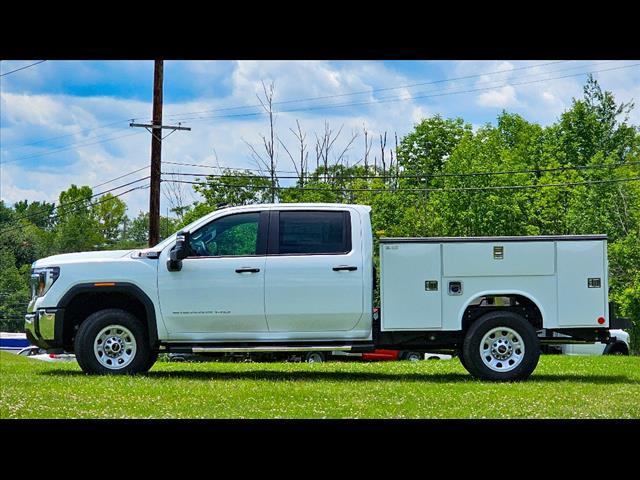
[(155, 128)]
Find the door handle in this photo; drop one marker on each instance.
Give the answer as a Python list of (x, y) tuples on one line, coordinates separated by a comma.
[(348, 268), (247, 270)]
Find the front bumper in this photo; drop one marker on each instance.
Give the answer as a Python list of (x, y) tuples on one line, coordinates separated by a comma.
[(43, 328)]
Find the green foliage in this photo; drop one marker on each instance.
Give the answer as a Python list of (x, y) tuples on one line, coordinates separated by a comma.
[(136, 232), (234, 188), (110, 213), (14, 292), (424, 151)]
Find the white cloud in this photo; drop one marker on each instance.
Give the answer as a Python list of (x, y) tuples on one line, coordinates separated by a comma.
[(500, 98)]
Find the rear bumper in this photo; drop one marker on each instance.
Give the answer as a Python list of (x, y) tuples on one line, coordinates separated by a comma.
[(44, 328)]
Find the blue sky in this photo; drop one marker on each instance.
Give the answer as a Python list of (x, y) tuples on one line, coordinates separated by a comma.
[(65, 122)]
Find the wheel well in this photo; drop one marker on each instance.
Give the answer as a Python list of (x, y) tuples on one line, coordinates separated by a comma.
[(511, 302), (84, 304)]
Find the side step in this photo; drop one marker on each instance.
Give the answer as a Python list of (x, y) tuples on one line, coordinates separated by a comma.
[(274, 348)]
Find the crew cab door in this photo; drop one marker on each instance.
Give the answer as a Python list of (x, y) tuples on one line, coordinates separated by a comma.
[(220, 288), (314, 272)]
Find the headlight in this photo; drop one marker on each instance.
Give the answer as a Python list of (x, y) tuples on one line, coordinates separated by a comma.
[(42, 279)]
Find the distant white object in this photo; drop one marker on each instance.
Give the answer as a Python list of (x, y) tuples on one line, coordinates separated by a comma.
[(619, 347), (437, 356), (13, 341), (40, 354)]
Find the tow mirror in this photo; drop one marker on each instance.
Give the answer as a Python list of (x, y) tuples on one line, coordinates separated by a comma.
[(178, 252)]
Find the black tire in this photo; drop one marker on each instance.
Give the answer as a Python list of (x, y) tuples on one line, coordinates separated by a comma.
[(617, 349), (153, 358), (143, 358), (461, 357), (310, 357), (471, 356), (411, 356)]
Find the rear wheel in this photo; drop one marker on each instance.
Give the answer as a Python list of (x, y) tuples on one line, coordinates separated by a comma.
[(113, 341), (501, 346)]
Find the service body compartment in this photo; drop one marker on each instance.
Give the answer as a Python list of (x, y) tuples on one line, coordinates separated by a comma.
[(482, 259), (582, 283), (409, 301), (427, 283)]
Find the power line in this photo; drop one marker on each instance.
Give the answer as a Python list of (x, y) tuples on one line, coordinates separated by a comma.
[(224, 168), (306, 99), (22, 68), (361, 92), (121, 176), (424, 176), (71, 147), (56, 207), (447, 189), (90, 204), (105, 125), (415, 97), (382, 100)]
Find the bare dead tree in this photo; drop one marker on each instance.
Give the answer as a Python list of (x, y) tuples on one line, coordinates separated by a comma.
[(323, 146), (175, 193), (383, 144), (367, 148), (340, 157), (397, 171), (300, 165), (268, 159)]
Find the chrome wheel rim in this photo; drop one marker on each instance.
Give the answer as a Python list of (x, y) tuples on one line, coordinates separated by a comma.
[(502, 349), (114, 347), (314, 358)]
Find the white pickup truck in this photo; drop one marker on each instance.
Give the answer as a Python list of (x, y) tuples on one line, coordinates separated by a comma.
[(301, 277)]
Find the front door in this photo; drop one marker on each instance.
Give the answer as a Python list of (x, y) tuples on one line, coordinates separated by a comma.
[(220, 288)]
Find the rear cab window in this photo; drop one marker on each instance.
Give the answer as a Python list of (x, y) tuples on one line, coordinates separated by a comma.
[(313, 232)]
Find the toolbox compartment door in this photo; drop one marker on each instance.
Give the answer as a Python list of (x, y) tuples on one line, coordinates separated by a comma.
[(410, 298)]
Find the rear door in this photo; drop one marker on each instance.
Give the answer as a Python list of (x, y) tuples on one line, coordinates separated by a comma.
[(314, 272)]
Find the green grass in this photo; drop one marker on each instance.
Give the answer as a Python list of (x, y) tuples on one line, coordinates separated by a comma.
[(561, 387)]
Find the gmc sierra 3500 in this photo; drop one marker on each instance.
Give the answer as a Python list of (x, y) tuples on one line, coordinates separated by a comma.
[(300, 277)]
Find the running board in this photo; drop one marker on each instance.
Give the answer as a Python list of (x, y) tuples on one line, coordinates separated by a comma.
[(274, 348)]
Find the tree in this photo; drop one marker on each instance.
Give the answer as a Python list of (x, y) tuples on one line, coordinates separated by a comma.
[(234, 187), (425, 150), (593, 125), (137, 233), (268, 160), (110, 213), (78, 229), (14, 292), (38, 213)]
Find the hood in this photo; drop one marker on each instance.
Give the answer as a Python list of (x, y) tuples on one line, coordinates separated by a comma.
[(80, 257)]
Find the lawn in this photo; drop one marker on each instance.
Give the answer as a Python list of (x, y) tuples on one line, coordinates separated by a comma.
[(561, 387)]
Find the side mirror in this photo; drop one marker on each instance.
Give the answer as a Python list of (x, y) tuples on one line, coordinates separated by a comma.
[(178, 252)]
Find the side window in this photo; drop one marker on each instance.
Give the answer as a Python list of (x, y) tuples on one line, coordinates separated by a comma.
[(234, 235), (314, 232)]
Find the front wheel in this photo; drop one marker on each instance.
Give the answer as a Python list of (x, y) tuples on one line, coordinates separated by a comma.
[(501, 346), (113, 341)]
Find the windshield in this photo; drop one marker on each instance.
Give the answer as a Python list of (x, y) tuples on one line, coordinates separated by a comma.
[(172, 238)]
